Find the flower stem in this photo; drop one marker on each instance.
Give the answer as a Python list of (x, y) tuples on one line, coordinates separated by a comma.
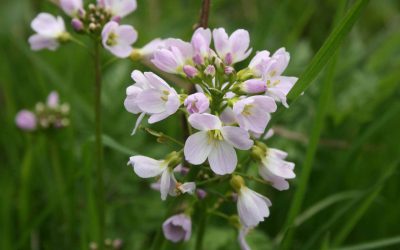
[(99, 145), (201, 226)]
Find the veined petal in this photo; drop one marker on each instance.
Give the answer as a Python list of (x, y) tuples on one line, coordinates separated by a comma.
[(126, 34), (146, 167), (39, 42), (150, 101), (248, 211), (222, 158), (221, 41), (165, 184), (138, 121), (196, 148), (157, 82), (238, 137), (204, 122)]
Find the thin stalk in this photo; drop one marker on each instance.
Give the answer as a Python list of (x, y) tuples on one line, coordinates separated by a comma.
[(99, 145), (201, 226)]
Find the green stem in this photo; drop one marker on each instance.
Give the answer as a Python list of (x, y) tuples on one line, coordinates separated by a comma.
[(99, 146), (201, 226)]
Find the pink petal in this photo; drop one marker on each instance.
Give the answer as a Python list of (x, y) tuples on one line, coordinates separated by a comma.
[(196, 148), (238, 137), (222, 158), (204, 122), (146, 167), (165, 184), (150, 101)]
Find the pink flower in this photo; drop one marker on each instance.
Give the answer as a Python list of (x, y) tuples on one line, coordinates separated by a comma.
[(118, 38), (118, 8), (49, 29), (259, 63), (146, 167), (148, 50), (276, 170), (26, 120), (254, 86), (178, 228), (174, 56), (53, 99), (252, 207), (150, 95), (232, 49), (190, 71), (215, 142), (197, 103), (253, 113), (201, 40), (71, 7)]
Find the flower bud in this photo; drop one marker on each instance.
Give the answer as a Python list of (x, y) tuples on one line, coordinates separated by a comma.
[(190, 71), (26, 120), (254, 86), (201, 193), (77, 24), (210, 70), (237, 182), (177, 228), (197, 103), (228, 70), (52, 100), (117, 244)]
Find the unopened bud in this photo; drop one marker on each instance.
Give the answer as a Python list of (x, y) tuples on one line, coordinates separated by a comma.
[(237, 182), (201, 193), (117, 244), (190, 71), (228, 70), (210, 70), (77, 24), (254, 86)]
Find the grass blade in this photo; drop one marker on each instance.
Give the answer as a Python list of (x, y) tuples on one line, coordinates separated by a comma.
[(379, 244), (325, 53)]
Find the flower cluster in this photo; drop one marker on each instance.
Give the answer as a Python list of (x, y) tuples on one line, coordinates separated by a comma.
[(51, 114), (229, 111), (96, 20)]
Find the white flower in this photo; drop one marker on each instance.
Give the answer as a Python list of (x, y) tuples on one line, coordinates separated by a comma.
[(50, 30), (252, 207), (118, 8), (118, 38), (215, 142)]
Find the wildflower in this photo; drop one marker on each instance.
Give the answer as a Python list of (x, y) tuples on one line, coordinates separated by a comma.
[(215, 142), (232, 49), (71, 7), (118, 8), (252, 207), (147, 50), (174, 56), (50, 31), (178, 228), (253, 113), (118, 38), (274, 169), (26, 120), (197, 103), (146, 167), (201, 40)]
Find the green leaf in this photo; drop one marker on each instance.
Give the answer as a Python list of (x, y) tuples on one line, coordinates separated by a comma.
[(328, 49), (110, 142), (379, 244)]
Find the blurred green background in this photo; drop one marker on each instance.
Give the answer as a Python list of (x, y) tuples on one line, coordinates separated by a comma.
[(46, 178)]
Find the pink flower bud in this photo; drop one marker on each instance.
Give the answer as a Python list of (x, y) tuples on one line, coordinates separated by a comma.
[(116, 19), (26, 120), (197, 103), (52, 100), (210, 70), (228, 70), (77, 24), (178, 228), (201, 193), (254, 86), (190, 71)]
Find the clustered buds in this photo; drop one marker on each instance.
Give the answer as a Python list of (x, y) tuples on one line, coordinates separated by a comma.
[(99, 20), (51, 114), (230, 111)]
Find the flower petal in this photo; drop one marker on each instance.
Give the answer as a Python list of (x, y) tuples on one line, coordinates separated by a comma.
[(165, 184), (238, 137), (146, 167), (204, 122), (222, 158), (196, 148), (150, 101)]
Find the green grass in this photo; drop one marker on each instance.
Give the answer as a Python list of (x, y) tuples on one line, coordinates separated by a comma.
[(346, 192)]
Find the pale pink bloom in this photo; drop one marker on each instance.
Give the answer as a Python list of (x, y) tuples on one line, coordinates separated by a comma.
[(201, 40), (173, 56), (71, 7), (276, 170), (253, 113), (279, 86), (77, 24), (53, 99), (118, 38), (242, 238), (252, 207), (160, 100), (178, 228), (232, 49), (215, 142), (146, 167), (26, 120), (197, 103), (118, 8), (49, 29), (150, 95)]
